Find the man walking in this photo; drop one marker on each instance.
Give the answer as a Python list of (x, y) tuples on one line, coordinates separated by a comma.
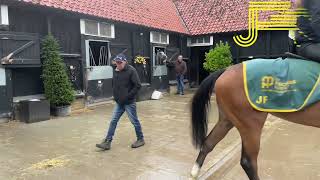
[(126, 84), (181, 69)]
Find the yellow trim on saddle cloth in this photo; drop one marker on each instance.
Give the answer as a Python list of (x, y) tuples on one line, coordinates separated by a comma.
[(244, 68)]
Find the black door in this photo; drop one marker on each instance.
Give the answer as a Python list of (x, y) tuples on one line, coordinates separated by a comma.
[(198, 73)]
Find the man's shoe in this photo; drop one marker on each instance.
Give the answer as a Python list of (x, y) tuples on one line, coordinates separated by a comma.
[(104, 145), (138, 143)]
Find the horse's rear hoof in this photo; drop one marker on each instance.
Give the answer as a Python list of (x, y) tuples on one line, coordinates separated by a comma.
[(195, 171)]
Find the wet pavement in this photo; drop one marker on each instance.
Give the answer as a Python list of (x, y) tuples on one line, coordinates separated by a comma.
[(290, 153), (64, 148)]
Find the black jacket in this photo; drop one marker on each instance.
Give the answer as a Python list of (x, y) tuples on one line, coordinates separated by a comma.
[(309, 27), (126, 84)]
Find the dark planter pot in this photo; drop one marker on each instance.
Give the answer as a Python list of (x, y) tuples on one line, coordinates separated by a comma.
[(61, 111), (34, 111)]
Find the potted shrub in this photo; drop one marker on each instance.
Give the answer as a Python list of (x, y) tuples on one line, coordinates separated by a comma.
[(57, 87), (218, 58)]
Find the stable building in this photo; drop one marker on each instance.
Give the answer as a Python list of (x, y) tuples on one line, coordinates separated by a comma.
[(91, 33)]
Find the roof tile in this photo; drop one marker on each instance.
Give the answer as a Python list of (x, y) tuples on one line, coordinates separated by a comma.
[(151, 13)]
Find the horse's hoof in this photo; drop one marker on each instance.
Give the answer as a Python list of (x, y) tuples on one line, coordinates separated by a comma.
[(195, 171)]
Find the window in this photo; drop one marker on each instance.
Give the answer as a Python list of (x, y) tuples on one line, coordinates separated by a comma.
[(106, 29), (200, 41), (164, 38), (99, 53), (160, 38), (206, 39), (0, 15), (4, 17), (91, 27), (95, 28)]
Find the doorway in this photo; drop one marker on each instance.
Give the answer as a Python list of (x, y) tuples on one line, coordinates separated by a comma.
[(99, 71), (198, 73)]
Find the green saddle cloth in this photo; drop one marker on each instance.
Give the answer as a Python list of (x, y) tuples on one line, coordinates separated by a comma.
[(281, 85)]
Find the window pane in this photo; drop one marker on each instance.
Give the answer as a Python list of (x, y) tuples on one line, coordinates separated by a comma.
[(164, 38), (156, 37), (105, 29), (91, 27), (193, 40), (0, 16), (201, 40), (207, 39)]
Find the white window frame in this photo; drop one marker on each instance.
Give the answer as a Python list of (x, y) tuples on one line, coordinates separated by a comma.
[(189, 44), (151, 38), (4, 15), (83, 28)]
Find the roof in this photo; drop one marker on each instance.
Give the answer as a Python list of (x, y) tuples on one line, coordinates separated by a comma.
[(193, 17), (215, 16), (151, 13), (212, 16)]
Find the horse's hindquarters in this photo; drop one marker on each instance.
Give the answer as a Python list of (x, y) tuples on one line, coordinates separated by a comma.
[(310, 116)]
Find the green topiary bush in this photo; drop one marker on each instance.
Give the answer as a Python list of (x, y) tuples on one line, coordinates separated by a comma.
[(218, 58), (57, 87)]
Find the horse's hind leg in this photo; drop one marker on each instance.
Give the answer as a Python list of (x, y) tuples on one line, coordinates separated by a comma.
[(250, 135), (216, 135)]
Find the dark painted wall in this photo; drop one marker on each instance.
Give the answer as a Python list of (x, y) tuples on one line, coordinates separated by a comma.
[(4, 103), (27, 20), (28, 43), (141, 46), (122, 41), (74, 72), (270, 44), (26, 81), (172, 50), (67, 31)]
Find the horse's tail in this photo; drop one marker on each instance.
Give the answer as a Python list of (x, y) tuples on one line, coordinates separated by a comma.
[(199, 108)]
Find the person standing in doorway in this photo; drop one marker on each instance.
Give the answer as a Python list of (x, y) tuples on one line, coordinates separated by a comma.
[(126, 84), (181, 69)]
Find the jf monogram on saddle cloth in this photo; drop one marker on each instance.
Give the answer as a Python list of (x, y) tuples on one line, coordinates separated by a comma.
[(281, 85)]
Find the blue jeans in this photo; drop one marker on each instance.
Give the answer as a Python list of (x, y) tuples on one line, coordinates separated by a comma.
[(131, 110), (180, 84)]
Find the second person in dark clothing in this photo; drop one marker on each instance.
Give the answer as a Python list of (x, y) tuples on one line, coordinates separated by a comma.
[(181, 69)]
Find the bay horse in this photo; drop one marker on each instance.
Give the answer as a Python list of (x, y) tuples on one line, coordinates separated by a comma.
[(235, 111)]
